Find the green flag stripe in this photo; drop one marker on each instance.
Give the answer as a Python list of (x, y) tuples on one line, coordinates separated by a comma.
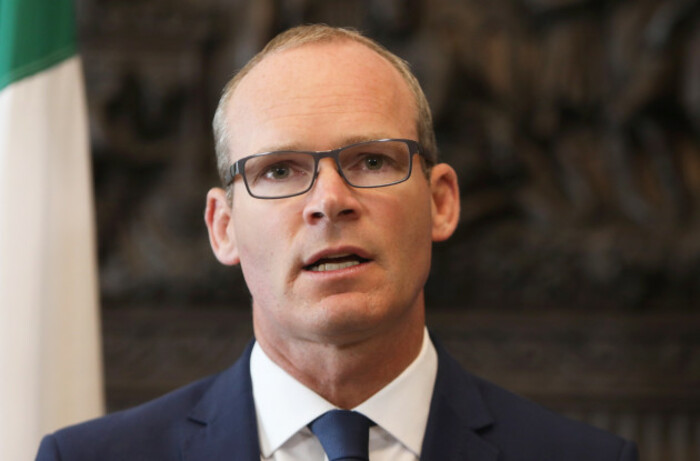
[(34, 35)]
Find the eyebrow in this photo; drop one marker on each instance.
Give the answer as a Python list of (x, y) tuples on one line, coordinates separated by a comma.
[(299, 147)]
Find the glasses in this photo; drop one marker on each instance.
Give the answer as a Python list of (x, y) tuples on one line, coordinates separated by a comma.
[(282, 174)]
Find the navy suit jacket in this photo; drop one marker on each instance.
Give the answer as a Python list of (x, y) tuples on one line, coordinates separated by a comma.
[(214, 420)]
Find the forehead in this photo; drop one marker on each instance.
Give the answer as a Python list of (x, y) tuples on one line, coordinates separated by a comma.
[(316, 95)]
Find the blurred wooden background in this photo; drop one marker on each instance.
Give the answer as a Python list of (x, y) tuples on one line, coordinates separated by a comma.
[(574, 125)]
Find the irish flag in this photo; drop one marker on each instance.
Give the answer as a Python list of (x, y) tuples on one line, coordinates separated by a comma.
[(50, 371)]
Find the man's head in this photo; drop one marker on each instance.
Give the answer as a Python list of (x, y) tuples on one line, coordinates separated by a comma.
[(336, 263), (320, 33)]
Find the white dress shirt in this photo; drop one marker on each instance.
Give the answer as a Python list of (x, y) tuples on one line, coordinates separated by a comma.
[(284, 407)]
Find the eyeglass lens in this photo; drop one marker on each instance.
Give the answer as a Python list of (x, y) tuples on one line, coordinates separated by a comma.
[(371, 164)]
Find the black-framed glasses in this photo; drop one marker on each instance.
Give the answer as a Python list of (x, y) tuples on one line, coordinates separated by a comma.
[(283, 174)]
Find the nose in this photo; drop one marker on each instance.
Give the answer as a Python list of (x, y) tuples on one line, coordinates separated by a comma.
[(330, 198)]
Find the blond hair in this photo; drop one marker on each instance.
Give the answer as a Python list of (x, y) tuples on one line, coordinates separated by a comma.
[(320, 33)]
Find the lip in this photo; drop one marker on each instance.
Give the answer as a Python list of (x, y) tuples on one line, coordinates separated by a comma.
[(335, 252)]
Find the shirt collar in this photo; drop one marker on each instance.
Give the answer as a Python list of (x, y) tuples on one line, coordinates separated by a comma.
[(284, 406), (401, 407)]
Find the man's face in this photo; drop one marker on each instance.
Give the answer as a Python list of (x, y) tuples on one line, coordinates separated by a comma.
[(320, 97)]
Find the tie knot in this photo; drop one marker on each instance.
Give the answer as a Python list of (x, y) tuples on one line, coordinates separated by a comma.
[(343, 434)]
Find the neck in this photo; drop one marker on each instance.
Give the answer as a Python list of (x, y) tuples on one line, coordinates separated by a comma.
[(347, 372)]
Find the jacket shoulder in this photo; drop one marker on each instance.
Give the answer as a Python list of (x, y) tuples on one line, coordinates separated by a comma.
[(151, 431), (513, 426), (524, 427)]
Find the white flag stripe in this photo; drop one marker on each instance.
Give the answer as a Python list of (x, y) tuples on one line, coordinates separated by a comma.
[(50, 357)]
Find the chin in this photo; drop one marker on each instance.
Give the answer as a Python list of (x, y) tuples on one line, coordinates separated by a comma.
[(355, 318)]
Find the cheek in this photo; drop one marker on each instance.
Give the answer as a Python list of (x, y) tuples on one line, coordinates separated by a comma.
[(259, 246), (409, 222), (259, 228), (261, 266), (251, 268), (265, 234), (416, 251)]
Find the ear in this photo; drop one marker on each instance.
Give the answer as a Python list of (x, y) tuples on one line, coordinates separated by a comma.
[(222, 238), (445, 201)]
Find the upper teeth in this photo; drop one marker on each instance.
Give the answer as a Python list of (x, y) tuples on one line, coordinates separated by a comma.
[(333, 266)]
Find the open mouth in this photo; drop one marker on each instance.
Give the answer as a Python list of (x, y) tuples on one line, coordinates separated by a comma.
[(335, 263)]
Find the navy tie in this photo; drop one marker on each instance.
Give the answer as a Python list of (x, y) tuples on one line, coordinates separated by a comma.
[(344, 434)]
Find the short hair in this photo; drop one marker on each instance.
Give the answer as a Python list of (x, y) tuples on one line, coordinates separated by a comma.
[(322, 33)]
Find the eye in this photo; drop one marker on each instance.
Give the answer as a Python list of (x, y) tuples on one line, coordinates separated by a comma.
[(374, 162), (278, 171)]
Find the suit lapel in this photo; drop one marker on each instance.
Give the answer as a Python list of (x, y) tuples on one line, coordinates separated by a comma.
[(457, 416), (222, 426)]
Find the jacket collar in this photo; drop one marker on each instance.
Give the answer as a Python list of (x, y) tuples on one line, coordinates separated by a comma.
[(223, 423), (458, 416)]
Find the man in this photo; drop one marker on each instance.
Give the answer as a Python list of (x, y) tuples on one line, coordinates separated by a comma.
[(333, 198)]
